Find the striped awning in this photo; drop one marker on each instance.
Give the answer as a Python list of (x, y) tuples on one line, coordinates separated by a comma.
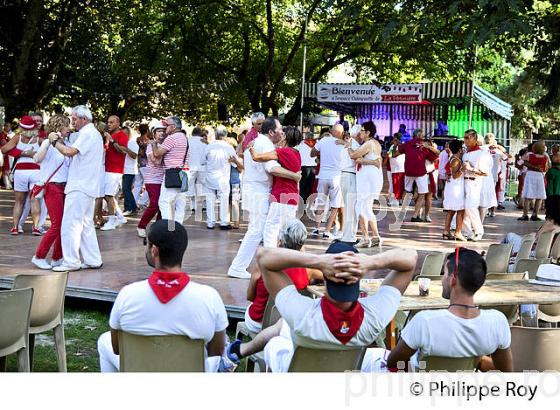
[(437, 93)]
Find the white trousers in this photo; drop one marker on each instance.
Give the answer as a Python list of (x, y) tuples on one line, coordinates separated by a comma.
[(390, 180), (348, 185), (257, 212), (109, 361), (502, 193), (140, 197), (472, 223), (78, 232), (277, 216), (172, 204), (197, 179), (27, 210), (279, 351), (223, 195)]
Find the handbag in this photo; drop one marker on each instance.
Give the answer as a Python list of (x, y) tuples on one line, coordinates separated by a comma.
[(38, 190), (177, 177)]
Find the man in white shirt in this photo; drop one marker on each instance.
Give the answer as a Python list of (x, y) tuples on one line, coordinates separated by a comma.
[(257, 183), (130, 172), (167, 303), (197, 166), (349, 192), (338, 320), (218, 160), (461, 330), (308, 166), (476, 165), (82, 187), (329, 177)]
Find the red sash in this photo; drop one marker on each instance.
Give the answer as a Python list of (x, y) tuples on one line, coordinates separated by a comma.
[(167, 285), (342, 325), (475, 148)]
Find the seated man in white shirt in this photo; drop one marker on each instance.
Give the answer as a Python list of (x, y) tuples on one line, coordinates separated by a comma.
[(338, 319), (167, 303), (461, 330)]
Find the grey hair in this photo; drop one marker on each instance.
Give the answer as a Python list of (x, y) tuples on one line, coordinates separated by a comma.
[(257, 116), (82, 111), (292, 235), (176, 121), (355, 130), (416, 132), (220, 132)]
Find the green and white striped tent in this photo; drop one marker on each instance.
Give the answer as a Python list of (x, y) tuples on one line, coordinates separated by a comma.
[(418, 106)]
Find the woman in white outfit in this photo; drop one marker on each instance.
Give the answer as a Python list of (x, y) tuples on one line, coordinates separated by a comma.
[(369, 181), (26, 173)]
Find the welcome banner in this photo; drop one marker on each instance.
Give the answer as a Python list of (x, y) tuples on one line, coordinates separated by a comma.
[(368, 93)]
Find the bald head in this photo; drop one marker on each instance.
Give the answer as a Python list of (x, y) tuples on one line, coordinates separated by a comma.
[(337, 131), (113, 124)]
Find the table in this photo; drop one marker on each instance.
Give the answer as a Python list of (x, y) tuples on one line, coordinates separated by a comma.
[(492, 293)]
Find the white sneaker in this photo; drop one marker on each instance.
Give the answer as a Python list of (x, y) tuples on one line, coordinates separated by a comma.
[(127, 213), (41, 263), (141, 232), (64, 268), (121, 220), (109, 226), (239, 275), (56, 262), (86, 266), (315, 233)]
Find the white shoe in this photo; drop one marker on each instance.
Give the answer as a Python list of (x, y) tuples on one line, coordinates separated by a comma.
[(127, 213), (56, 262), (41, 263), (141, 232), (64, 268), (315, 233), (109, 226), (121, 220), (239, 275), (86, 266)]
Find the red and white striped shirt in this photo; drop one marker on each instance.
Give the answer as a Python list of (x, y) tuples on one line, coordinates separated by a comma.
[(153, 173), (176, 147)]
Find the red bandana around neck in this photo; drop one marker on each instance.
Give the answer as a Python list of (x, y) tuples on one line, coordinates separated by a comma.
[(167, 285), (475, 148), (342, 325)]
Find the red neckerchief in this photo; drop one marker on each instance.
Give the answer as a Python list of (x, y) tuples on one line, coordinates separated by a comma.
[(475, 148), (310, 143), (167, 285), (342, 325)]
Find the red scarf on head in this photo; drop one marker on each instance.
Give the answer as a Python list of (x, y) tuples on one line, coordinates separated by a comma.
[(310, 143), (167, 285), (342, 325), (475, 148)]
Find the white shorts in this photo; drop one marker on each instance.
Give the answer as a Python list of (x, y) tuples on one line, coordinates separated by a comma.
[(25, 179), (332, 189), (113, 182), (421, 184), (250, 323)]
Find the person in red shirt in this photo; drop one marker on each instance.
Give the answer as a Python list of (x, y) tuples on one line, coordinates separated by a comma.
[(417, 152), (285, 192), (292, 236), (117, 142), (257, 119), (39, 122)]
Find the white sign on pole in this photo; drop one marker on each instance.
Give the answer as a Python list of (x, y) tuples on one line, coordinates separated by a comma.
[(368, 93)]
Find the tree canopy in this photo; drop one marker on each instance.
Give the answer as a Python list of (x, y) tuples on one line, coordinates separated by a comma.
[(146, 58)]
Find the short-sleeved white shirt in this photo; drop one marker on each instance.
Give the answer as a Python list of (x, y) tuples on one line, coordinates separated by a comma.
[(441, 333), (256, 177), (53, 159), (130, 164), (196, 156), (347, 164), (197, 312), (305, 318), (217, 164), (305, 153), (83, 173), (331, 157)]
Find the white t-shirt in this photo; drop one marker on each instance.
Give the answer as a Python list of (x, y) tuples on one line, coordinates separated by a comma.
[(443, 160), (305, 318), (131, 165), (196, 158), (218, 167), (331, 157), (347, 164), (53, 158), (396, 163), (305, 153), (83, 173), (197, 312), (256, 177), (441, 333)]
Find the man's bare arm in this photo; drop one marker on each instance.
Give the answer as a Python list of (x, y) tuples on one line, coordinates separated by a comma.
[(216, 346)]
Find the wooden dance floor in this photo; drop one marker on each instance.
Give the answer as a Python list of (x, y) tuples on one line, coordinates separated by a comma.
[(210, 252)]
